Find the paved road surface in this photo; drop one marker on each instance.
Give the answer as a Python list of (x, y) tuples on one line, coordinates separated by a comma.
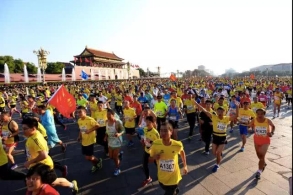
[(236, 175)]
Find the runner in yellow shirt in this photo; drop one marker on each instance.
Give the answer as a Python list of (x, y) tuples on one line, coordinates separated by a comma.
[(5, 172), (37, 152), (220, 123), (101, 117), (278, 96), (129, 122), (87, 136), (166, 151), (147, 139)]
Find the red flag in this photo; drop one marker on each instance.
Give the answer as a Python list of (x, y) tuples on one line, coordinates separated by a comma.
[(173, 77), (80, 60), (252, 76), (63, 101), (91, 63), (86, 60)]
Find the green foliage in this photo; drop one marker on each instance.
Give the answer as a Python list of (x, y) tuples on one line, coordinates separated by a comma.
[(142, 73), (16, 65), (9, 61), (54, 67), (31, 68)]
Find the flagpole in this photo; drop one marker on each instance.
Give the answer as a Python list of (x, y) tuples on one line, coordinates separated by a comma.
[(54, 93)]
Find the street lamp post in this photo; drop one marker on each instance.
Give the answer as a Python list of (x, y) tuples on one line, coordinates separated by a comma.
[(128, 69), (42, 60)]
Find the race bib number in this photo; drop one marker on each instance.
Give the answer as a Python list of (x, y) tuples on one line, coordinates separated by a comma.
[(289, 96), (172, 118), (244, 119), (27, 153), (262, 99), (101, 121), (159, 113), (221, 126), (5, 134), (276, 98), (254, 109), (82, 129), (167, 165), (261, 131), (190, 108)]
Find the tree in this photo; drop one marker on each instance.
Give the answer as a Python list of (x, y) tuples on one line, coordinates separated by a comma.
[(18, 66), (31, 68), (9, 61), (142, 73), (54, 67)]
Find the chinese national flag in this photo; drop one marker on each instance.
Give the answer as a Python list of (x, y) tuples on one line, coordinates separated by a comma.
[(252, 76), (173, 77), (63, 101)]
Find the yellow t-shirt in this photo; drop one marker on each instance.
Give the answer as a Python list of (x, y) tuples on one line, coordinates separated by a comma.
[(220, 126), (3, 156), (149, 137), (82, 102), (12, 100), (225, 106), (160, 109), (51, 109), (32, 93), (93, 108), (101, 117), (255, 106), (2, 102), (118, 99), (190, 105), (35, 144), (129, 115), (5, 133), (261, 129), (86, 124), (168, 166), (245, 115), (278, 98), (289, 92), (24, 105), (178, 100), (42, 129)]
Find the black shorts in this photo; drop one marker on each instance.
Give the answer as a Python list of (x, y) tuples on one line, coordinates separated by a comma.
[(2, 109), (101, 131), (129, 131), (88, 150), (12, 106), (219, 140), (50, 177), (174, 124)]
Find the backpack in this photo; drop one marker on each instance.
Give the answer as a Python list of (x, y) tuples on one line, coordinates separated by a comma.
[(16, 137)]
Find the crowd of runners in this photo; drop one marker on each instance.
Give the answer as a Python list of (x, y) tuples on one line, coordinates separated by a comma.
[(111, 113)]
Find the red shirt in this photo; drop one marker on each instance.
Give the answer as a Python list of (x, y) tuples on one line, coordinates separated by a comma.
[(46, 190), (137, 106), (128, 98)]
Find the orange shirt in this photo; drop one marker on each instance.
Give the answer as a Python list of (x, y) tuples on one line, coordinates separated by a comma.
[(137, 107)]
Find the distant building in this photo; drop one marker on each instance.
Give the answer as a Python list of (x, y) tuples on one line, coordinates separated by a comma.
[(283, 67), (230, 71), (201, 67)]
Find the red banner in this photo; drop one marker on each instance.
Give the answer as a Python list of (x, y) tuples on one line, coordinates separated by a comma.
[(63, 101), (173, 77)]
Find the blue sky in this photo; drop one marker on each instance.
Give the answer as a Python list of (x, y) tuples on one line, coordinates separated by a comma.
[(176, 35)]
